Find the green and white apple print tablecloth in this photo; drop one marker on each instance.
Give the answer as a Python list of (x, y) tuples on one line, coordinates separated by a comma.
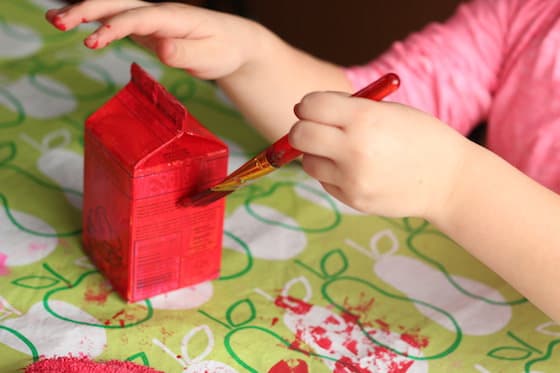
[(307, 285)]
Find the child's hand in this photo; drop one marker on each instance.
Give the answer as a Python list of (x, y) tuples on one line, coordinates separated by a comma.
[(378, 157), (208, 44)]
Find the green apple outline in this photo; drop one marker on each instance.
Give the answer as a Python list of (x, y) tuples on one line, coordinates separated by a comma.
[(545, 357), (330, 278), (140, 355), (281, 184), (148, 303), (27, 342), (4, 163), (422, 229), (20, 111), (55, 35), (235, 327), (42, 68), (248, 254)]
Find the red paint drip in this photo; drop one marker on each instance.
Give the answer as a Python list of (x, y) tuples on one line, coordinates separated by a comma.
[(415, 340), (274, 321), (297, 306), (290, 366), (352, 346), (84, 20), (117, 314), (319, 336), (349, 318), (70, 364), (121, 323), (345, 365), (383, 325), (98, 295), (331, 320), (107, 26)]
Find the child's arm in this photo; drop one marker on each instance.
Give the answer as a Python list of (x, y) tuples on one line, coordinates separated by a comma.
[(451, 69), (392, 160), (510, 223), (260, 73)]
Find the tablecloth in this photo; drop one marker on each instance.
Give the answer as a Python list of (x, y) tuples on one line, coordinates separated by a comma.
[(307, 284)]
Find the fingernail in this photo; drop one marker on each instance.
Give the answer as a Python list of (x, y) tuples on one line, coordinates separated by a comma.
[(58, 23), (296, 106), (91, 41)]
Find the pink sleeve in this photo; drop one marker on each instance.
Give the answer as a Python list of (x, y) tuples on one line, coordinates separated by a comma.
[(448, 69)]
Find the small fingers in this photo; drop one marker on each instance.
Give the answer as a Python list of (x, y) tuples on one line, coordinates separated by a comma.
[(322, 169), (322, 107), (87, 11), (316, 138), (162, 21), (335, 108)]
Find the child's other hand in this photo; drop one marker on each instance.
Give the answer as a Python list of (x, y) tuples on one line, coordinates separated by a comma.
[(208, 44), (378, 157)]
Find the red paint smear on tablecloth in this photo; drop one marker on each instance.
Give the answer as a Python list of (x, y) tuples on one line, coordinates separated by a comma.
[(3, 268), (290, 366), (70, 364), (98, 294), (383, 325), (319, 336), (297, 306), (362, 308), (351, 345), (415, 340), (346, 365)]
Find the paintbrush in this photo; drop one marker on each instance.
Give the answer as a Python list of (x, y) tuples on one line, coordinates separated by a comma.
[(277, 154)]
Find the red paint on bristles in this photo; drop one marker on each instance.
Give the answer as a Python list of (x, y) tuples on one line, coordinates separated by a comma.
[(69, 364)]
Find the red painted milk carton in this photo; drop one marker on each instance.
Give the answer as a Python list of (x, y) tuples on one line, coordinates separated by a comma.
[(143, 151)]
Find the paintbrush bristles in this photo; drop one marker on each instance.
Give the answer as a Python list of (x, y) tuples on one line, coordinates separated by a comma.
[(252, 169)]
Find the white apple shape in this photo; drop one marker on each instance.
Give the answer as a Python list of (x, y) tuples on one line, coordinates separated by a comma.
[(196, 364), (52, 336), (116, 63), (49, 4), (184, 298), (6, 309), (329, 334), (18, 41), (40, 102), (63, 166), (20, 247), (419, 281), (266, 241)]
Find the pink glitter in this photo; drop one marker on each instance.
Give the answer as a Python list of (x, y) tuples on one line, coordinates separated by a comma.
[(65, 364), (3, 268)]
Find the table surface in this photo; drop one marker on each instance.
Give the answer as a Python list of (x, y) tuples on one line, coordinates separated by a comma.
[(307, 284)]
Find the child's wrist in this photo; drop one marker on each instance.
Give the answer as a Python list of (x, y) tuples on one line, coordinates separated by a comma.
[(448, 199)]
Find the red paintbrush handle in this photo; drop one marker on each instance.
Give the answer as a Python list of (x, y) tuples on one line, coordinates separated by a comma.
[(281, 152)]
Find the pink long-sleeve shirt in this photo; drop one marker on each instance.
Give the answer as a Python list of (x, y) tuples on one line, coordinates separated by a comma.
[(493, 61)]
